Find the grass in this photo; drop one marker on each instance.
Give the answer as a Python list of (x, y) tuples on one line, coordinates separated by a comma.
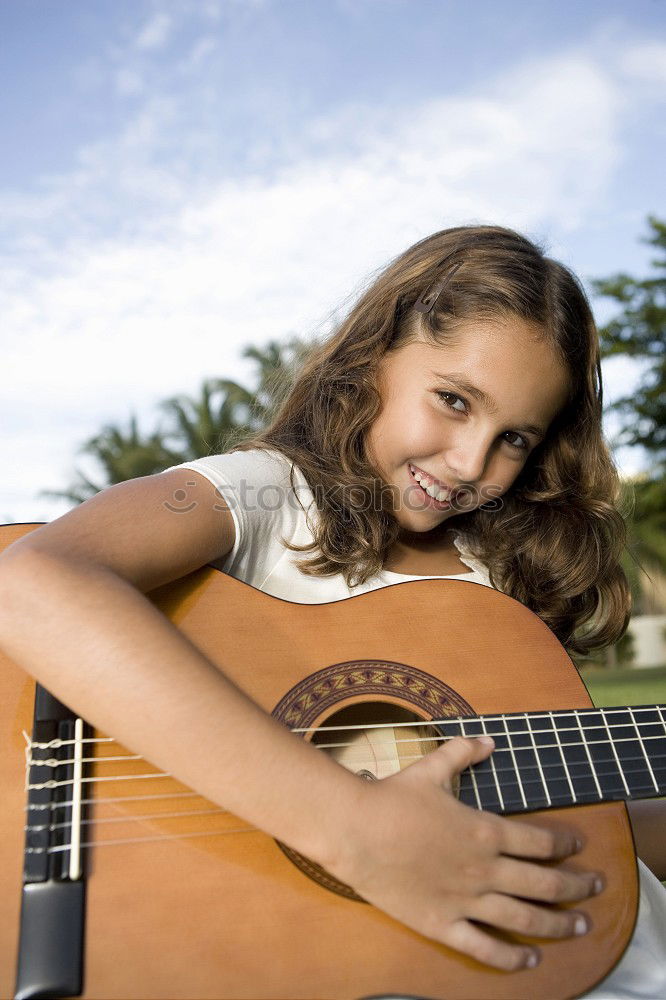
[(626, 687)]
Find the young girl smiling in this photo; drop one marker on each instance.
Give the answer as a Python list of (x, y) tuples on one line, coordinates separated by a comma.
[(451, 427)]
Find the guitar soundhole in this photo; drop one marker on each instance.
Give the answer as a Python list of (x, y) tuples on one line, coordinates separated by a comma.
[(350, 713), (390, 739)]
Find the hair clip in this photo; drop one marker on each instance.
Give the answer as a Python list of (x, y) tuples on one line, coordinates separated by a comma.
[(426, 302)]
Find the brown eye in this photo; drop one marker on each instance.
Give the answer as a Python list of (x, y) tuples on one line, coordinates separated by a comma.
[(519, 447), (451, 395)]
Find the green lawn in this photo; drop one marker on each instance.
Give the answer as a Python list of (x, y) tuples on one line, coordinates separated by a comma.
[(626, 687)]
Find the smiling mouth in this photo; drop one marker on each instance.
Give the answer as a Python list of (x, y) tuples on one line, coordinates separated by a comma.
[(430, 500)]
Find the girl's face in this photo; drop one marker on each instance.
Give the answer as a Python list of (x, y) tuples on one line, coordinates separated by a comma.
[(430, 424)]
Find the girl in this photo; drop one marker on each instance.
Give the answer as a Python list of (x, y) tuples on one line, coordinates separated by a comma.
[(450, 427)]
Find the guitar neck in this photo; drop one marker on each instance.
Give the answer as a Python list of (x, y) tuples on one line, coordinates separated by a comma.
[(553, 759)]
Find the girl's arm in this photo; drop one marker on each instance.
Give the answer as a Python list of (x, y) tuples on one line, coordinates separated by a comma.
[(74, 615)]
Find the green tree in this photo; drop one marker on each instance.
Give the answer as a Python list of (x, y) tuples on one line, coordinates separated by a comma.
[(644, 562), (227, 412), (121, 455), (638, 330), (223, 414)]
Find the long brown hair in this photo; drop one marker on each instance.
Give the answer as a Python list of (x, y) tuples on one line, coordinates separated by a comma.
[(555, 541)]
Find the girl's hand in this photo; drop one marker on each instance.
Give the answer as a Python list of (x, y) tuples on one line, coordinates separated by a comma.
[(416, 852)]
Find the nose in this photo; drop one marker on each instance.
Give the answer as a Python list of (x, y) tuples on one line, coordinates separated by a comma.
[(468, 457)]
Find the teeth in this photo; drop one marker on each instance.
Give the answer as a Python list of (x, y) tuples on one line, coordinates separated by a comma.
[(432, 491)]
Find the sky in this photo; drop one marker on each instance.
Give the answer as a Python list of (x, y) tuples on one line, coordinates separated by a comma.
[(181, 179)]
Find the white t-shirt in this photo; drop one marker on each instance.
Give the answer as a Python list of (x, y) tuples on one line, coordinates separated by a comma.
[(255, 485)]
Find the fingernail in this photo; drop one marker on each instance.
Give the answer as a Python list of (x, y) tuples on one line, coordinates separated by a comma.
[(580, 925), (532, 959), (578, 844), (487, 740), (598, 885)]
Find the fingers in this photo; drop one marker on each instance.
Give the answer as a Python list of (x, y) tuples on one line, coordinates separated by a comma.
[(535, 921), (455, 754), (509, 914), (468, 939), (549, 885), (523, 840)]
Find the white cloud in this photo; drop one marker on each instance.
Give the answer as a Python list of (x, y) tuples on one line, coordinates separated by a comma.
[(155, 32), (97, 325), (646, 61)]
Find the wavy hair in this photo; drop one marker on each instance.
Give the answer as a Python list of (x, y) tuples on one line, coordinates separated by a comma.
[(554, 542)]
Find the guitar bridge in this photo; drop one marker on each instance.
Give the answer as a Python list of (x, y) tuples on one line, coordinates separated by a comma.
[(50, 954)]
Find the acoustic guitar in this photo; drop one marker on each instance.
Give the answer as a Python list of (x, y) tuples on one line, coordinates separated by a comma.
[(120, 882)]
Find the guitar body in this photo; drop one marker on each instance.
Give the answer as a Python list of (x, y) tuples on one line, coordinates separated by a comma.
[(199, 905)]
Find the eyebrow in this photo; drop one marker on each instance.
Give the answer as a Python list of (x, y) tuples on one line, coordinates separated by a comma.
[(458, 380)]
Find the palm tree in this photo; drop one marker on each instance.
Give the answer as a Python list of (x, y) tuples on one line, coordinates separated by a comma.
[(220, 417), (227, 412), (122, 455)]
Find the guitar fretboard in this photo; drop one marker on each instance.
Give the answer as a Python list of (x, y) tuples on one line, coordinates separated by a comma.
[(552, 759)]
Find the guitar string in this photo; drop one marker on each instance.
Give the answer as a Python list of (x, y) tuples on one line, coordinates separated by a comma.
[(139, 840), (434, 738), (465, 719), (104, 800), (133, 840), (54, 763), (377, 759), (508, 716), (179, 836), (101, 801), (132, 817), (38, 827), (114, 799)]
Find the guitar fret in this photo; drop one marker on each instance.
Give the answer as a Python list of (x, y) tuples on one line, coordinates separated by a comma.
[(578, 766), (532, 784), (564, 763), (468, 782), (506, 764), (617, 759), (492, 767), (604, 758), (587, 751), (485, 778), (652, 720), (475, 787), (538, 760), (652, 732), (515, 763), (632, 756), (642, 746), (552, 762)]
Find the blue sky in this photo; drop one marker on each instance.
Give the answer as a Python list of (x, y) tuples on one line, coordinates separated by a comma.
[(182, 178)]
